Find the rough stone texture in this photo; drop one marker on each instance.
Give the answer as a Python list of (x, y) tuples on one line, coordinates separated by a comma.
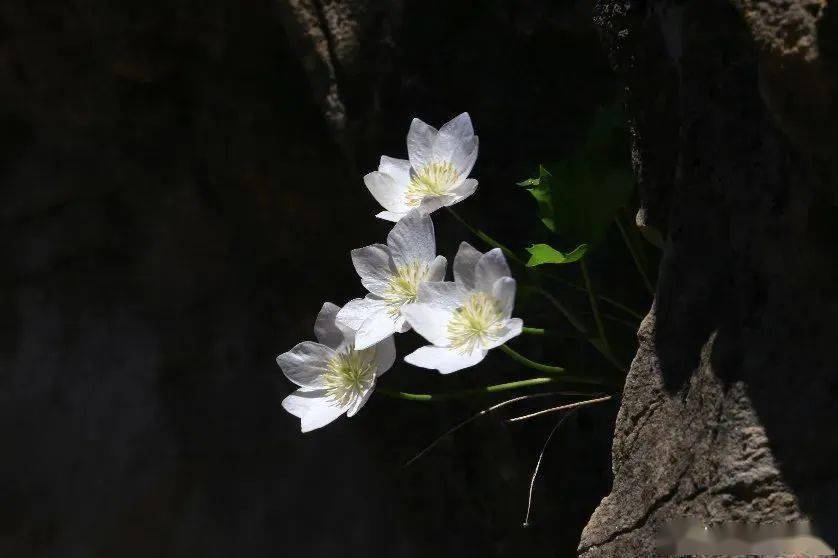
[(728, 410), (331, 38)]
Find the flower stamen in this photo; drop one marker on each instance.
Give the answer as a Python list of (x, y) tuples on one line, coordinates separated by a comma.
[(404, 286), (349, 375), (475, 323), (432, 180)]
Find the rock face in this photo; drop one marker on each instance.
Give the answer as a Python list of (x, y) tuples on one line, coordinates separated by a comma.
[(728, 410), (345, 47)]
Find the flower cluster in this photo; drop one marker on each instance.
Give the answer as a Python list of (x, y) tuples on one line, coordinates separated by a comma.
[(404, 279)]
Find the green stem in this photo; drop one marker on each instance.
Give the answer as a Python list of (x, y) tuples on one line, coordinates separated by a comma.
[(583, 330), (533, 330), (634, 255), (548, 369), (445, 396), (581, 289), (570, 316), (625, 323), (594, 306), (622, 307), (514, 257), (486, 238)]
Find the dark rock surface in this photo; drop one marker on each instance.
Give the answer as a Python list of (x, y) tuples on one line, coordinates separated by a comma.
[(728, 410)]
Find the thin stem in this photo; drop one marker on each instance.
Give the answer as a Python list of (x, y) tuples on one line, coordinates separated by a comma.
[(581, 289), (546, 368), (570, 316), (567, 407), (533, 330), (514, 257), (622, 307), (574, 321), (486, 238), (608, 355), (538, 466), (476, 416), (634, 255), (466, 392), (625, 323), (594, 306)]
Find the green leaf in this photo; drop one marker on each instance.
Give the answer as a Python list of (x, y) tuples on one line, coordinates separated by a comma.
[(541, 189), (529, 182), (586, 199), (579, 196), (544, 254)]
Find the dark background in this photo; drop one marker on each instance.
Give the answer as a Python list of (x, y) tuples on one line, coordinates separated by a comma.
[(174, 211)]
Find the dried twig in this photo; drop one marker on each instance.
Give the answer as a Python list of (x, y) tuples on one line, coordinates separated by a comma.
[(567, 407), (538, 466), (482, 413)]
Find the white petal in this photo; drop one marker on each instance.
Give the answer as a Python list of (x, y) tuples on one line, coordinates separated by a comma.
[(462, 154), (320, 416), (457, 144), (454, 150), (373, 266), (420, 142), (465, 155), (359, 402), (387, 191), (490, 267), (303, 400), (398, 169), (504, 291), (443, 359), (385, 355), (462, 191), (436, 271), (460, 127), (376, 327), (432, 203), (353, 314), (465, 263), (428, 321), (390, 216), (412, 239), (305, 363), (327, 331), (445, 295), (401, 323), (511, 329)]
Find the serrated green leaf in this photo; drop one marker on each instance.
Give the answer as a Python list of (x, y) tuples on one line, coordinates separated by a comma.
[(541, 189), (546, 254), (528, 182), (579, 196)]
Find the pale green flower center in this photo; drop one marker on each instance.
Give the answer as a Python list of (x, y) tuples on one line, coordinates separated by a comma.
[(348, 375), (475, 323), (434, 179), (404, 286)]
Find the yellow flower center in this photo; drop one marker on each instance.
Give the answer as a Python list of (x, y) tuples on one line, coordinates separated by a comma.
[(434, 179), (348, 375), (404, 286), (478, 321)]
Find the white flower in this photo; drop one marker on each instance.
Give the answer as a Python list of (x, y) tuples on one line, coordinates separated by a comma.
[(334, 376), (392, 273), (436, 174), (466, 318)]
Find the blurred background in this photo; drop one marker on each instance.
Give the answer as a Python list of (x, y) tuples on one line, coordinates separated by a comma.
[(180, 186)]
